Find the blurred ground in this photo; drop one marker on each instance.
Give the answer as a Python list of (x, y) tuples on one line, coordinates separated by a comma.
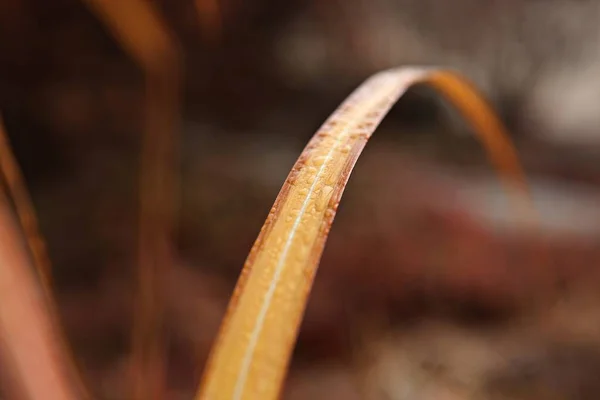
[(428, 287)]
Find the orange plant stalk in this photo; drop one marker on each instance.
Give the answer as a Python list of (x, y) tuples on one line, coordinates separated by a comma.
[(210, 18), (252, 351), (140, 31), (15, 184)]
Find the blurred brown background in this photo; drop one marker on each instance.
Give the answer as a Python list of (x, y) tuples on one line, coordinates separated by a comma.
[(428, 287)]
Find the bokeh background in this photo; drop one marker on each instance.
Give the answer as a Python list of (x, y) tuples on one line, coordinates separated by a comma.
[(428, 288)]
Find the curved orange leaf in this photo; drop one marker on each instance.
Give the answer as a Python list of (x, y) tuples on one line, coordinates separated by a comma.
[(252, 351)]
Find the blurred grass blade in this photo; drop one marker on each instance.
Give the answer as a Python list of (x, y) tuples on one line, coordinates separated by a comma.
[(139, 29), (13, 178), (34, 363), (210, 18), (25, 299), (252, 352)]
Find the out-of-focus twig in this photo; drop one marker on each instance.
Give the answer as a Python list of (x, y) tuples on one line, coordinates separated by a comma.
[(136, 25), (138, 28), (210, 16), (13, 178), (35, 364)]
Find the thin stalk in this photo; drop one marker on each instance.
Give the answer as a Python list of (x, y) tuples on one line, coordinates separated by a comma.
[(11, 173), (139, 29), (210, 16)]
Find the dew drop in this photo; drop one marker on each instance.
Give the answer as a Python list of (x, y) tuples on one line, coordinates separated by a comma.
[(331, 179), (318, 161), (329, 214), (346, 108), (300, 255), (305, 239), (293, 177), (323, 198)]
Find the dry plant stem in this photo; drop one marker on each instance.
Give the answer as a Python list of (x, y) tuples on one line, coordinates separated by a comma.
[(157, 190), (30, 345), (210, 17), (139, 29), (253, 348), (13, 178), (36, 247)]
